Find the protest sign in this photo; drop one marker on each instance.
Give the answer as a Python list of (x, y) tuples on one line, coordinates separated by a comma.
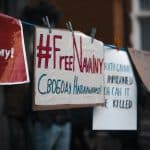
[(13, 64), (141, 60), (68, 70), (120, 109)]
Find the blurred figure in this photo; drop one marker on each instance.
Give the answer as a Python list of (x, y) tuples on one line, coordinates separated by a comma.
[(17, 109), (81, 127), (34, 13), (51, 129)]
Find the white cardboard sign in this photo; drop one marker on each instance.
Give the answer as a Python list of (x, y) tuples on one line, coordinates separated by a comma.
[(68, 69), (120, 110)]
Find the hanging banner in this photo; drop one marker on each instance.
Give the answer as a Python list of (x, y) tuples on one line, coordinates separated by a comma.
[(141, 60), (13, 64), (68, 70), (120, 109)]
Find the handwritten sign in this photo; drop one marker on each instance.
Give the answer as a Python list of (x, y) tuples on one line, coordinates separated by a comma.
[(68, 70), (13, 64), (120, 109), (141, 60)]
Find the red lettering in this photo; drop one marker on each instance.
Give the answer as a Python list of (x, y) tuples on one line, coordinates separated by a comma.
[(101, 65), (71, 62), (43, 51), (67, 61), (84, 64), (55, 48), (76, 50), (60, 61), (88, 65), (95, 65)]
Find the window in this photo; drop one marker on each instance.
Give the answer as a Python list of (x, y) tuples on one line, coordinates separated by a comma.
[(141, 24), (144, 4)]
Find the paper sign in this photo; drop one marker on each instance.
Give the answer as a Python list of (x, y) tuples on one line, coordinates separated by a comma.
[(68, 69), (13, 64), (141, 60), (120, 109)]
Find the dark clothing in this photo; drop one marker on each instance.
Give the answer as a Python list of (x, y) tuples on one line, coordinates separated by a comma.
[(81, 122), (18, 103), (34, 15), (49, 117)]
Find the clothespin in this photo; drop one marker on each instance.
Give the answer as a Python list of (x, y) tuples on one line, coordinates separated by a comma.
[(93, 32), (69, 27), (47, 23), (44, 21)]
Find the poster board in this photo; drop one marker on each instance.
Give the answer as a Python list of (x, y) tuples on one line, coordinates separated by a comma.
[(120, 109), (13, 61), (68, 70), (141, 61)]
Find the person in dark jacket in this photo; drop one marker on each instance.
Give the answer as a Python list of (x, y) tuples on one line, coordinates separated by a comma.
[(51, 128)]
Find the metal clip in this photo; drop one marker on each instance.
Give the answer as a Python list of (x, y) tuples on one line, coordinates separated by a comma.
[(47, 23), (69, 27), (93, 32)]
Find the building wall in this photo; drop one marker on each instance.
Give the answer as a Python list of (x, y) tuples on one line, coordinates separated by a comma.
[(110, 17), (86, 14)]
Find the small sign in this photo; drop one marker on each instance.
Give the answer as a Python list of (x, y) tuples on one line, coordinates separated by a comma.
[(141, 60), (13, 63), (68, 70), (120, 109)]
